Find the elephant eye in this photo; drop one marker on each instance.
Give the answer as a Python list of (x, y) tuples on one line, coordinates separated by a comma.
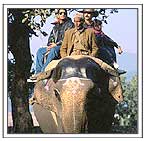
[(57, 94)]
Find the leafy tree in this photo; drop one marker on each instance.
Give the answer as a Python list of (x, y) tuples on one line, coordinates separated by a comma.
[(18, 41), (127, 111), (22, 25)]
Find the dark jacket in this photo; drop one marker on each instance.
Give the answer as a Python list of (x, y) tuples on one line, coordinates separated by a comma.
[(104, 40), (57, 33)]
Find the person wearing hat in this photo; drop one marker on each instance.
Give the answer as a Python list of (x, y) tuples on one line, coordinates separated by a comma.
[(54, 42), (107, 51), (79, 40), (88, 14)]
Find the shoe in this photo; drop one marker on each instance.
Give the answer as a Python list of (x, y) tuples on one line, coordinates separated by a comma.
[(34, 76), (121, 71), (115, 65), (32, 81)]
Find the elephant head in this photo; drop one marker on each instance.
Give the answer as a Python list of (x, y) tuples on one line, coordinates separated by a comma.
[(78, 93)]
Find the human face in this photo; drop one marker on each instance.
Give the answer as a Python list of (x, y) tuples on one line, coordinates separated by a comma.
[(62, 14), (87, 16), (98, 27), (78, 23)]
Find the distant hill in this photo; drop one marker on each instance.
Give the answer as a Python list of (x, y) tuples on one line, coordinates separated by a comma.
[(128, 62)]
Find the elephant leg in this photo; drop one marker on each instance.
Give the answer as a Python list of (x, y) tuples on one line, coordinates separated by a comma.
[(45, 118)]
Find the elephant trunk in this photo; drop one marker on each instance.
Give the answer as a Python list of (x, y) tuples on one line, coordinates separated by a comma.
[(73, 97)]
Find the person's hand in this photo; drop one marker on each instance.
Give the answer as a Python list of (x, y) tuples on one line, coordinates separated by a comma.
[(120, 51), (51, 46)]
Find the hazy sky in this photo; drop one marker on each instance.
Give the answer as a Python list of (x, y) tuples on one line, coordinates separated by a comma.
[(122, 28)]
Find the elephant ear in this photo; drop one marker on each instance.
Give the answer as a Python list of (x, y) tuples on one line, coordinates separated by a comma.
[(46, 96), (107, 68), (52, 65), (115, 87), (48, 70)]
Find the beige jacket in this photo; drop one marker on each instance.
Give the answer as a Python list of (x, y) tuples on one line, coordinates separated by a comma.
[(89, 42)]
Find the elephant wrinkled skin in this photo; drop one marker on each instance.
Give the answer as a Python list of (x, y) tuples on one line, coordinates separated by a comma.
[(76, 98)]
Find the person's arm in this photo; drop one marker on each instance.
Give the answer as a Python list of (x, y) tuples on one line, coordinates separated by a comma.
[(51, 38), (94, 46), (64, 46), (111, 43), (119, 49)]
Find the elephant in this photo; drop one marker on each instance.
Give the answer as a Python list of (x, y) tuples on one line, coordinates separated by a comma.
[(77, 96)]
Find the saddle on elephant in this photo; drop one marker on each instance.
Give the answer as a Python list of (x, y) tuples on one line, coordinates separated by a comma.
[(115, 88)]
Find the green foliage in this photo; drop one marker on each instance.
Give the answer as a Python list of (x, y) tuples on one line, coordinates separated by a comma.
[(28, 16), (127, 111), (103, 14)]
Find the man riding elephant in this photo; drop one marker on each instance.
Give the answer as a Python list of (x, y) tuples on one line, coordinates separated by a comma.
[(79, 40), (81, 91), (106, 44), (51, 52)]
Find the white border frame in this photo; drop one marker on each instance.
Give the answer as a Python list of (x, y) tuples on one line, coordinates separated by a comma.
[(139, 135)]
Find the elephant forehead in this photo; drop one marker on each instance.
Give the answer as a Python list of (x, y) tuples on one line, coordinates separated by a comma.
[(73, 84)]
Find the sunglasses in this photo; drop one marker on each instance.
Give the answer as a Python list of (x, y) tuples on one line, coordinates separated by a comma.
[(62, 13), (88, 12)]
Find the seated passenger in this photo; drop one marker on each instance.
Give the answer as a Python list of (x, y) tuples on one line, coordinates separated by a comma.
[(79, 40), (54, 42), (107, 51), (107, 46)]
